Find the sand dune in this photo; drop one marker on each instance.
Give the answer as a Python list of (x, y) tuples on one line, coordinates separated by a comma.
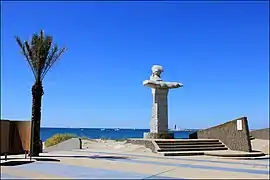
[(112, 145)]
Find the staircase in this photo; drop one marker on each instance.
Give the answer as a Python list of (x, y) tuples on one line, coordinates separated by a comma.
[(179, 147)]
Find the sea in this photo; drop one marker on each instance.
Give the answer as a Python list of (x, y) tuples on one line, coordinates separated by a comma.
[(105, 133)]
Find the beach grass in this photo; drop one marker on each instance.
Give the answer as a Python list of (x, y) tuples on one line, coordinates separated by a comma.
[(58, 138)]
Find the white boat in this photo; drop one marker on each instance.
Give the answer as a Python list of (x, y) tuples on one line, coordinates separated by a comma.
[(102, 129), (117, 129)]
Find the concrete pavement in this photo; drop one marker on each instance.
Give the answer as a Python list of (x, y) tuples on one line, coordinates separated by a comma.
[(91, 164)]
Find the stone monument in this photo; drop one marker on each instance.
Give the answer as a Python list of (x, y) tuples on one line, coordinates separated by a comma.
[(160, 89)]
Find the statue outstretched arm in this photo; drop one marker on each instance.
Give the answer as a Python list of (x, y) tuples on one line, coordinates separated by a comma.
[(161, 84)]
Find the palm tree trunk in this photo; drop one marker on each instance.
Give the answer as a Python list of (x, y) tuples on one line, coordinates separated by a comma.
[(37, 92)]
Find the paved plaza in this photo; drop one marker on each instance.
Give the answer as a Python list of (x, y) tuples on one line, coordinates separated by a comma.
[(92, 164)]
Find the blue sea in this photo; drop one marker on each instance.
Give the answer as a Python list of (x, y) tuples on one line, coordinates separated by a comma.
[(97, 133)]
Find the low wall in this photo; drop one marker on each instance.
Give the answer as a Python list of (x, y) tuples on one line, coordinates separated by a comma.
[(235, 136), (260, 133), (15, 136), (146, 143)]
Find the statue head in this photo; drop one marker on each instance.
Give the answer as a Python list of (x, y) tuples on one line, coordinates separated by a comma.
[(156, 81), (157, 70)]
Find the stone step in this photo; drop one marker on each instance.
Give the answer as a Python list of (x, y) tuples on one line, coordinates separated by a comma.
[(235, 154), (183, 153), (192, 149), (186, 140), (189, 145), (220, 153)]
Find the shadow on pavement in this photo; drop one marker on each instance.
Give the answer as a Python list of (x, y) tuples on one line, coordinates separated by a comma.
[(46, 159), (91, 157), (34, 158), (15, 163)]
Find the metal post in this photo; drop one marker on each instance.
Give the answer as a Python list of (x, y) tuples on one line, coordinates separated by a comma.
[(32, 139), (5, 156)]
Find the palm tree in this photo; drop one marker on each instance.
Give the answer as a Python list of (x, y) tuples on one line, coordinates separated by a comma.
[(40, 54)]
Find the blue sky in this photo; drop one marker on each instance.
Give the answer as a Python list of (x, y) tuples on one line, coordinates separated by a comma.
[(219, 51)]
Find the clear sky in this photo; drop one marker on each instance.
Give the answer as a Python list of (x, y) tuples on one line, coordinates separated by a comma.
[(219, 51)]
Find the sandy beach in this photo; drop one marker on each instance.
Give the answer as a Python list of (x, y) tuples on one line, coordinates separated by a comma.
[(113, 146), (123, 146)]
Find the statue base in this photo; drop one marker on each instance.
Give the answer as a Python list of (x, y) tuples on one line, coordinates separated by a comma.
[(161, 135)]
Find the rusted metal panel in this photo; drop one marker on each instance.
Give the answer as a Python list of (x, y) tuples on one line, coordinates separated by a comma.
[(19, 136), (4, 136), (24, 129)]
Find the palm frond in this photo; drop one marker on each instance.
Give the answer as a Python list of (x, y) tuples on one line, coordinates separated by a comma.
[(25, 53), (47, 43), (40, 53), (52, 58), (35, 51)]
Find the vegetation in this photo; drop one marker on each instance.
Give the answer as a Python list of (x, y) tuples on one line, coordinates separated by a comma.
[(58, 138), (41, 55), (84, 138), (117, 140)]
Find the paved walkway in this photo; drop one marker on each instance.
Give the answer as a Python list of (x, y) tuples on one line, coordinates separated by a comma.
[(91, 164)]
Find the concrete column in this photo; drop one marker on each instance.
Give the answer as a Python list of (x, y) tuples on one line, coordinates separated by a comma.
[(159, 120)]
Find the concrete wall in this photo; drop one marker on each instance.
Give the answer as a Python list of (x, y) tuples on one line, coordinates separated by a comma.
[(227, 133), (146, 143), (260, 133), (15, 136)]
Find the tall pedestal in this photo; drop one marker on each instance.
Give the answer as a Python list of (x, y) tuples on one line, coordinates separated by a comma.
[(159, 120), (160, 89)]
